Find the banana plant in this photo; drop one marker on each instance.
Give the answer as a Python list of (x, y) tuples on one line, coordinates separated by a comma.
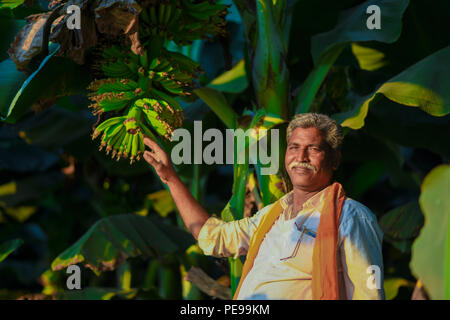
[(267, 71), (144, 86)]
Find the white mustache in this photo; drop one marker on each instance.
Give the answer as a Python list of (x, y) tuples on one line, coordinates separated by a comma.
[(302, 164)]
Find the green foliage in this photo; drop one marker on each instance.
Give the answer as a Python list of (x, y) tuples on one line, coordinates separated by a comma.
[(392, 285), (430, 260), (8, 247), (327, 46), (401, 225), (110, 241), (42, 88), (422, 85), (263, 62)]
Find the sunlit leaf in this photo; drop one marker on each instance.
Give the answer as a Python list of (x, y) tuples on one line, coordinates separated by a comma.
[(351, 27), (420, 24), (10, 81), (112, 240), (368, 58), (430, 260), (6, 248), (21, 213), (31, 188), (233, 81), (162, 202), (11, 3), (51, 280), (423, 85), (392, 285)]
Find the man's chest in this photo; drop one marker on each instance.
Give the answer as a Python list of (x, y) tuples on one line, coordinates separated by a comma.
[(288, 246)]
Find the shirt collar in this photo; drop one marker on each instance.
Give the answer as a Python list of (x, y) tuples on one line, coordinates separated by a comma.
[(315, 201)]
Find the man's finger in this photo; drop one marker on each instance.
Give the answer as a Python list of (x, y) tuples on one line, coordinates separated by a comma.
[(150, 159), (150, 143)]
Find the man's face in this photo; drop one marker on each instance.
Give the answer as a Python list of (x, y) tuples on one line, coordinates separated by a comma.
[(306, 159)]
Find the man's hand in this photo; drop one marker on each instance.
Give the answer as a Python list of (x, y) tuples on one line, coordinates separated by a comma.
[(192, 213), (159, 159)]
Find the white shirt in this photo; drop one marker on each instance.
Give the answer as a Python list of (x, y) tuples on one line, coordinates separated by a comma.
[(283, 267)]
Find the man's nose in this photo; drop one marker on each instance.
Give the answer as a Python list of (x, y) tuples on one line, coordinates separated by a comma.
[(302, 155)]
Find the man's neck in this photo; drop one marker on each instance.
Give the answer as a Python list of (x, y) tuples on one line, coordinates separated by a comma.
[(300, 196)]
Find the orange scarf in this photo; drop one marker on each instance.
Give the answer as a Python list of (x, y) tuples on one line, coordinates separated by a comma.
[(324, 266)]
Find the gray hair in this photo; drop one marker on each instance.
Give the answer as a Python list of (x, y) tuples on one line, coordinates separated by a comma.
[(331, 131)]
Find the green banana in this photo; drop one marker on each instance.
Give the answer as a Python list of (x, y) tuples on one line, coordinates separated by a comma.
[(128, 145), (141, 147), (115, 136), (134, 147), (105, 124)]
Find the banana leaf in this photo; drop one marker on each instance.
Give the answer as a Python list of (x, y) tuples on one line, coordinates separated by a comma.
[(53, 79), (270, 74), (392, 285), (232, 81), (18, 191), (421, 25), (8, 247), (57, 127), (430, 261), (10, 3), (351, 27), (423, 85), (409, 127), (218, 104), (11, 27), (19, 156), (112, 240), (359, 148), (401, 225)]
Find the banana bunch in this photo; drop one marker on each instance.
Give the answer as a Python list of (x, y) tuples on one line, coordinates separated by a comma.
[(182, 20), (146, 89), (161, 112), (123, 136), (142, 89)]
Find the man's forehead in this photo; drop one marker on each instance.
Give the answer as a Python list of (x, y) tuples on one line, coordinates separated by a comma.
[(305, 135)]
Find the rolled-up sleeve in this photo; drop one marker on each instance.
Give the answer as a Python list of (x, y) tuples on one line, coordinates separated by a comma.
[(225, 239), (361, 253)]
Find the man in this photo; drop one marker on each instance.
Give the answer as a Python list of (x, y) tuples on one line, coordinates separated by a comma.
[(313, 243)]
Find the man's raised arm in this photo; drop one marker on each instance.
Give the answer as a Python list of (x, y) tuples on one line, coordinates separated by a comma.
[(192, 213)]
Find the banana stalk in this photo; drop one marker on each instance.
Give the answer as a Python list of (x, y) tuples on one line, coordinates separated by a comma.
[(270, 73)]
